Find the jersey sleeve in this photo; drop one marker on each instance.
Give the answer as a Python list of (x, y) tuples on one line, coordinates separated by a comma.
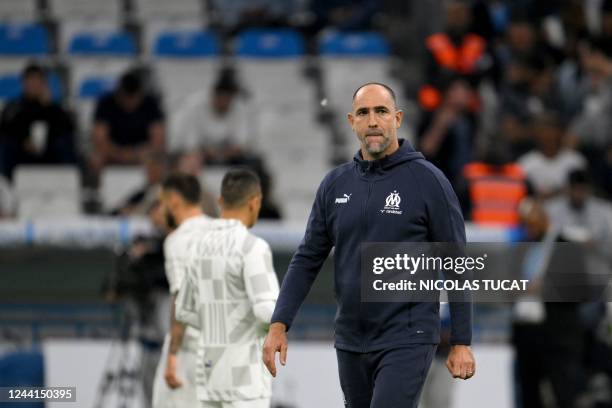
[(260, 278), (187, 306), (175, 255)]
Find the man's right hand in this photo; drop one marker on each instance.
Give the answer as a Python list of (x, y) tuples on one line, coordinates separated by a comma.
[(170, 374), (276, 341)]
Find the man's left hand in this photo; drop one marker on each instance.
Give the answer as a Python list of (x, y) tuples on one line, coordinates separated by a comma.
[(460, 362)]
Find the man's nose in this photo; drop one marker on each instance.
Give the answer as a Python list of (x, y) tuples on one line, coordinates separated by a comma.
[(372, 121)]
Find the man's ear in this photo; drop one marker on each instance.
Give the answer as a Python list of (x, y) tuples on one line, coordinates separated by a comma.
[(351, 119), (399, 115)]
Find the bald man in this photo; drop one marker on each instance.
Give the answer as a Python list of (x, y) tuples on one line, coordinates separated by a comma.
[(384, 349)]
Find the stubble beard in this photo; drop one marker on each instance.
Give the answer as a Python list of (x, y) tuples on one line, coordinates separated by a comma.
[(376, 149)]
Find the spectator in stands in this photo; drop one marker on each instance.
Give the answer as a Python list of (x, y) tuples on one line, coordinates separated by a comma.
[(590, 129), (521, 43), (548, 165), (581, 215), (457, 60), (128, 125), (527, 91), (216, 125), (446, 136), (492, 188), (33, 128), (455, 53)]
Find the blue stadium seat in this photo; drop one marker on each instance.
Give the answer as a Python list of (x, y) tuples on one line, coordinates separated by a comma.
[(105, 43), (186, 44), (23, 39), (10, 86), (22, 368), (364, 44), (280, 43), (94, 87)]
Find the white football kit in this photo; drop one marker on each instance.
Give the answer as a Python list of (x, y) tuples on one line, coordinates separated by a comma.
[(175, 255), (229, 293)]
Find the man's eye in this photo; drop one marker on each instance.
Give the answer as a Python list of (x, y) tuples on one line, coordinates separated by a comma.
[(381, 111), (361, 113)]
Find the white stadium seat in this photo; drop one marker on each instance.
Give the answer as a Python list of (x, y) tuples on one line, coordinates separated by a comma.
[(118, 183), (277, 81), (146, 10), (44, 191), (185, 61), (18, 10), (89, 9)]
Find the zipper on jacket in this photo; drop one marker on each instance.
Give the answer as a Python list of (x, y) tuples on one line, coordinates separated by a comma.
[(365, 230)]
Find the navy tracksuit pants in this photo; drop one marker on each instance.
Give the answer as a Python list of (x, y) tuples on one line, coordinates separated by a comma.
[(389, 378)]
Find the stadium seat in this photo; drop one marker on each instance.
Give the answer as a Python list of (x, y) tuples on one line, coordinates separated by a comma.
[(44, 191), (95, 87), (186, 44), (272, 43), (153, 28), (97, 43), (270, 62), (10, 86), (366, 44), (18, 10), (147, 10), (350, 60), (21, 39), (295, 149), (85, 9), (118, 183), (185, 62)]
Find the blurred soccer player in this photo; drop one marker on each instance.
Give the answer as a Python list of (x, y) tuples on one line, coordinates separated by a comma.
[(229, 294), (384, 349), (175, 378)]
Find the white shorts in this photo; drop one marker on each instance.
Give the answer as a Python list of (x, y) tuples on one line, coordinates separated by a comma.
[(254, 403), (183, 397)]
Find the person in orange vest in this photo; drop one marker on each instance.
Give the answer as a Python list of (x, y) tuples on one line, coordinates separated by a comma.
[(457, 60), (455, 53), (492, 189)]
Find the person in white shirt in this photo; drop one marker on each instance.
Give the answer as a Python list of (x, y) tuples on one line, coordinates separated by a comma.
[(214, 124), (229, 293), (547, 166), (174, 384)]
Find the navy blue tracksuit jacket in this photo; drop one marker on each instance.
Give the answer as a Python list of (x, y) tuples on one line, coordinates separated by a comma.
[(347, 212)]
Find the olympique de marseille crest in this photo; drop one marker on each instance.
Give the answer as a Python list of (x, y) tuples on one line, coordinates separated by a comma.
[(392, 204)]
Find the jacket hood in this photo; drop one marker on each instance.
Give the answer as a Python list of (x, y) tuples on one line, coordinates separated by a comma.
[(405, 153)]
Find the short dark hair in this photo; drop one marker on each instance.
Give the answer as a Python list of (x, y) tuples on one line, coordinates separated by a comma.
[(186, 185), (578, 177), (130, 83), (239, 185), (33, 69), (387, 87), (226, 82)]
